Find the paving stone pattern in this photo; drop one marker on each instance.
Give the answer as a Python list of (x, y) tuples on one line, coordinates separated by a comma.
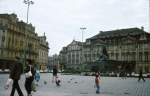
[(75, 85)]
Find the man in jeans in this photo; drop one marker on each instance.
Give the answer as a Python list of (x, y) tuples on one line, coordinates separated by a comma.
[(15, 74)]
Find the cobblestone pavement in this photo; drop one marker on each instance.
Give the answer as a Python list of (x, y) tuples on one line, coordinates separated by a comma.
[(74, 85)]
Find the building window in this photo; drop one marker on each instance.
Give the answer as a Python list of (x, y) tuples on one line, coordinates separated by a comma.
[(140, 56), (146, 69), (2, 53), (134, 56), (3, 38), (146, 56), (117, 56)]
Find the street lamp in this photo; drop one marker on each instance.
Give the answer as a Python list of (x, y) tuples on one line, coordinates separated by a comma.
[(28, 2), (82, 29)]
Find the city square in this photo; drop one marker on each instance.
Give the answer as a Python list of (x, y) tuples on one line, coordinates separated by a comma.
[(76, 85), (95, 47)]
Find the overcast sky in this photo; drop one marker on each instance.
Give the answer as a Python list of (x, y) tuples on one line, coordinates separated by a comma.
[(61, 19)]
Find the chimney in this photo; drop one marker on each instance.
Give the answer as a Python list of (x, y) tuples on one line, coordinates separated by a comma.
[(142, 28), (100, 32)]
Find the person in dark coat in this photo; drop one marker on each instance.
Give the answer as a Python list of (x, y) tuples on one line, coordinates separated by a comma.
[(15, 74), (55, 71), (141, 76), (29, 80)]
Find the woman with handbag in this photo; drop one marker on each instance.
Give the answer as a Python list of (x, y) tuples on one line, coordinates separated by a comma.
[(29, 74)]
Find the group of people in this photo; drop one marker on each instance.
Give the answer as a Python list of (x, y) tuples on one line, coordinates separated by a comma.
[(30, 74), (15, 74)]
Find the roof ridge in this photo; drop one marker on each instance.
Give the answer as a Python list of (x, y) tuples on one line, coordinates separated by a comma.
[(118, 32)]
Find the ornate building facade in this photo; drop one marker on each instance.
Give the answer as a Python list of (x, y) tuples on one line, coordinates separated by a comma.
[(128, 48), (63, 58), (17, 39), (43, 52), (70, 56), (53, 61)]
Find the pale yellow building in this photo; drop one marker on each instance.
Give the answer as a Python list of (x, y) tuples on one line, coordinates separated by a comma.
[(43, 53), (18, 38)]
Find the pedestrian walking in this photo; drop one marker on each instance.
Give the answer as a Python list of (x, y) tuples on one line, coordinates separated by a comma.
[(30, 73), (15, 73), (97, 83), (55, 71), (123, 74), (141, 76)]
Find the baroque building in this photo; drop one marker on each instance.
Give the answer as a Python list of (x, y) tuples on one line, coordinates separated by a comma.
[(71, 55), (128, 48), (17, 39), (43, 52), (123, 49), (63, 58), (53, 61)]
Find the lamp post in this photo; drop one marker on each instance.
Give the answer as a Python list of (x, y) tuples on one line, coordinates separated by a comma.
[(28, 2), (82, 29)]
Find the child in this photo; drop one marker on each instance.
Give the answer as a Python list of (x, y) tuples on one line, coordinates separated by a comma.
[(97, 81), (57, 81), (37, 76)]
